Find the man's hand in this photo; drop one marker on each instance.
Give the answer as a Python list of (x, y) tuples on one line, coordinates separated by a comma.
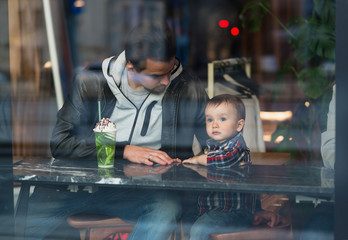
[(201, 159), (146, 156), (270, 218)]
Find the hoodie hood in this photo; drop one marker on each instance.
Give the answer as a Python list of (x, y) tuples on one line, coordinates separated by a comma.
[(113, 68)]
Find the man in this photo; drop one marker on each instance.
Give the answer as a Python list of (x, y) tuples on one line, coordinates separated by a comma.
[(157, 107)]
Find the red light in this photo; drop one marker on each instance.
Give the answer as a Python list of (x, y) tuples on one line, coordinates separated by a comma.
[(235, 31), (223, 23)]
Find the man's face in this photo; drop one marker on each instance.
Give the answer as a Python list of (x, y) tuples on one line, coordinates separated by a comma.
[(221, 121), (154, 78)]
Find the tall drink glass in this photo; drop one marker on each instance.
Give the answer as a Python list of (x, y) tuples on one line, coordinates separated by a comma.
[(105, 144)]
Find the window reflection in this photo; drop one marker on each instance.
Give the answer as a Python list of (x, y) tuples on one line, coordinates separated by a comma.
[(292, 112)]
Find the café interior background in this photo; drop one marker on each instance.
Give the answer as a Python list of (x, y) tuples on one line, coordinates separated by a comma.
[(88, 31)]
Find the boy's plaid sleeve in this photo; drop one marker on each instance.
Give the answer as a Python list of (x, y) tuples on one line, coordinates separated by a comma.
[(234, 155)]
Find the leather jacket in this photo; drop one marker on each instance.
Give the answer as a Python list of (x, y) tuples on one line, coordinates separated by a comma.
[(182, 117)]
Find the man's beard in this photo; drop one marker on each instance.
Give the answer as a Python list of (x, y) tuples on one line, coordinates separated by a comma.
[(157, 90)]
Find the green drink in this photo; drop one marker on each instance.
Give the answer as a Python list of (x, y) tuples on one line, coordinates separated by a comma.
[(105, 140)]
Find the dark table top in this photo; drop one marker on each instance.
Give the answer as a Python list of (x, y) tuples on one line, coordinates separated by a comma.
[(297, 180)]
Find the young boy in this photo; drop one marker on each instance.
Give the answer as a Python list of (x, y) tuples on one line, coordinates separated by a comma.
[(225, 211)]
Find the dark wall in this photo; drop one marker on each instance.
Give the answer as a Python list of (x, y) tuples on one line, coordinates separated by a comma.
[(341, 165)]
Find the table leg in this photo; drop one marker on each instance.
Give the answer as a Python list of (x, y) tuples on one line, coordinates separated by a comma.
[(21, 211)]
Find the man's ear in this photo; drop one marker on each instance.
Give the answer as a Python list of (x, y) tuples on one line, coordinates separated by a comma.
[(240, 125), (130, 66)]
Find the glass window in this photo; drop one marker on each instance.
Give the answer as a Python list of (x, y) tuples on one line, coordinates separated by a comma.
[(278, 56)]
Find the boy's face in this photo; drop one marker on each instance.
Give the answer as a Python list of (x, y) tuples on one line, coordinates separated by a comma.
[(222, 122)]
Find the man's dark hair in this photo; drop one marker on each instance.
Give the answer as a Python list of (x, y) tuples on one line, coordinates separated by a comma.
[(150, 40), (230, 99)]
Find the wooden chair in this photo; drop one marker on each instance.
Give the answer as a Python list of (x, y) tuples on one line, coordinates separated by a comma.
[(262, 232), (98, 227)]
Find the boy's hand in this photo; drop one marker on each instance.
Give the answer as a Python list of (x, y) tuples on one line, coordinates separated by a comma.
[(201, 159), (192, 160), (270, 218)]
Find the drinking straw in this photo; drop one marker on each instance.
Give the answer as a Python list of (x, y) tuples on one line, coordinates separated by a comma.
[(99, 96), (99, 112)]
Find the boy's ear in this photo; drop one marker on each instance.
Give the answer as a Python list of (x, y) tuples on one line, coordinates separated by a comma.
[(240, 125)]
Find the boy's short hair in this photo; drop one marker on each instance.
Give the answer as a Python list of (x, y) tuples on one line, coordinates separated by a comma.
[(230, 99), (152, 40)]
